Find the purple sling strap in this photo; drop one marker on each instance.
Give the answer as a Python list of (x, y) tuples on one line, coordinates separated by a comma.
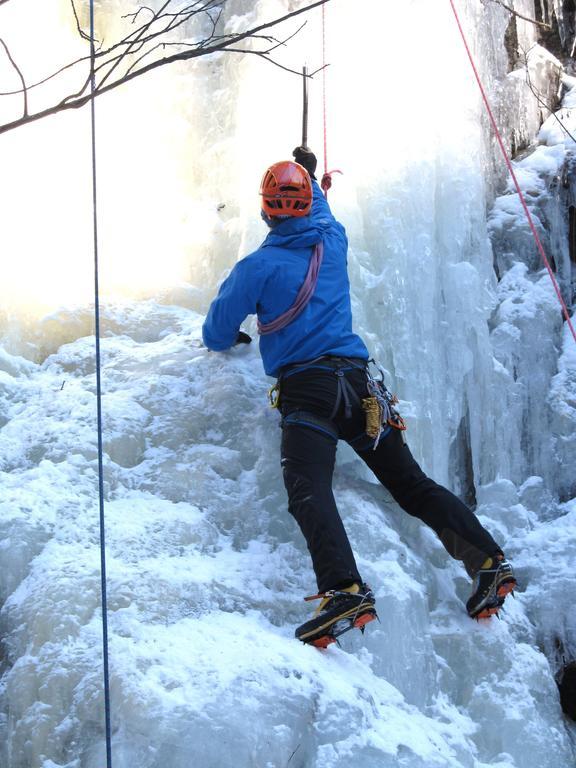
[(304, 295)]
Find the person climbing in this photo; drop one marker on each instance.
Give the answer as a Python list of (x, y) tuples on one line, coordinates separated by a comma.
[(297, 284)]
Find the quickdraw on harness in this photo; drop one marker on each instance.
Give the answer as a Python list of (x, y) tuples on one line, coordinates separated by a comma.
[(274, 395), (380, 406)]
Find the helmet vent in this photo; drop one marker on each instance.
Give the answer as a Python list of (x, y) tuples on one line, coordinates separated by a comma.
[(286, 189)]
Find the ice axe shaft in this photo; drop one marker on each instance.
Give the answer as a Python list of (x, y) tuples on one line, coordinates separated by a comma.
[(305, 107)]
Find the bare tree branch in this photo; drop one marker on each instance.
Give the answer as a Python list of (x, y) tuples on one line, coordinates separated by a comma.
[(21, 76), (520, 16), (81, 32), (276, 63), (130, 46), (540, 100), (135, 15), (123, 60)]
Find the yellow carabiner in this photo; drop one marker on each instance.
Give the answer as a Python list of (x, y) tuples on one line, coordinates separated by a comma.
[(274, 396)]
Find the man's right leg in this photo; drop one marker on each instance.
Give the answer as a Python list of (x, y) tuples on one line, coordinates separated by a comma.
[(308, 457), (456, 525)]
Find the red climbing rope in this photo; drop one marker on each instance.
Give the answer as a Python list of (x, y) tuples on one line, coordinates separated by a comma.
[(511, 169), (324, 93), (326, 182)]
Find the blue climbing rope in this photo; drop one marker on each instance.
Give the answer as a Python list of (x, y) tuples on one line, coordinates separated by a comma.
[(105, 654)]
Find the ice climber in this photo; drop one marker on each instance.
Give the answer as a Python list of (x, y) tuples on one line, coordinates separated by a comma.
[(297, 284)]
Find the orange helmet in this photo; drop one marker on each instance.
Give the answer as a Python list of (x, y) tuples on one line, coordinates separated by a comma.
[(286, 190)]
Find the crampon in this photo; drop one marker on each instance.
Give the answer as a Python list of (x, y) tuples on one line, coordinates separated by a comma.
[(339, 612), (491, 587), (345, 625)]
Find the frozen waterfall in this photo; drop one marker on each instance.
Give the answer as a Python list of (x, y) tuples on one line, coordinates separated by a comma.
[(206, 569)]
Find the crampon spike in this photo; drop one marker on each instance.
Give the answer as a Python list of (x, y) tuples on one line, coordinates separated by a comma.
[(366, 618), (487, 613), (506, 589), (323, 642)]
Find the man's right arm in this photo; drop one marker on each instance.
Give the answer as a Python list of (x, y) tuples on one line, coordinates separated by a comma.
[(307, 159), (238, 297)]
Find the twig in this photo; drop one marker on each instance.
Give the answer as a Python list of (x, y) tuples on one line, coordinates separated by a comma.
[(540, 100), (81, 32), (293, 753), (265, 56), (49, 77), (135, 15), (520, 16), (141, 40), (17, 68), (133, 43)]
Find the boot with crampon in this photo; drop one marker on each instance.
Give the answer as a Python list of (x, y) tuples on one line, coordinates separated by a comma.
[(492, 584), (338, 612)]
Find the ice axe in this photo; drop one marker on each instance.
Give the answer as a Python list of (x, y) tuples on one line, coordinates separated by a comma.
[(302, 154), (304, 107)]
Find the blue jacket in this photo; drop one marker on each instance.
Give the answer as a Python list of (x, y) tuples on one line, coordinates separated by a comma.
[(267, 281)]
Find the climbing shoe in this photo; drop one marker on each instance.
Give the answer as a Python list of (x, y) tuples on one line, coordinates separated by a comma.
[(338, 612), (490, 587)]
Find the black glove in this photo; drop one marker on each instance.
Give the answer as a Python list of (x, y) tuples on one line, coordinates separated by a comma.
[(242, 338), (306, 158)]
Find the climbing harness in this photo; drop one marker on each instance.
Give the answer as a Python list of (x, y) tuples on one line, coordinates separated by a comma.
[(99, 402), (379, 406), (312, 421), (508, 162)]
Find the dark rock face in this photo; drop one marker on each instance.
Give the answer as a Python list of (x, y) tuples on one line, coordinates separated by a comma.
[(511, 43), (567, 686), (561, 16)]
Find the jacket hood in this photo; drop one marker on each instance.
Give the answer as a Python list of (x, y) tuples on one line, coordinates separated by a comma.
[(298, 232)]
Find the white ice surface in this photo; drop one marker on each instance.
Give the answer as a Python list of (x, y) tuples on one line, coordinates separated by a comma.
[(206, 571)]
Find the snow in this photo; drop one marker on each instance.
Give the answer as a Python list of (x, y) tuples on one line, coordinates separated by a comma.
[(206, 569), (205, 576)]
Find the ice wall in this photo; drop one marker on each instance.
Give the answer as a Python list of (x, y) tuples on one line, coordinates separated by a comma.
[(206, 569)]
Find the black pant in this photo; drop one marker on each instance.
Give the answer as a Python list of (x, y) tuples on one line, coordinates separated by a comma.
[(310, 433)]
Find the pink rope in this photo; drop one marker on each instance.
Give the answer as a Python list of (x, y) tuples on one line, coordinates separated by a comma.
[(326, 182), (511, 169), (304, 295), (324, 89)]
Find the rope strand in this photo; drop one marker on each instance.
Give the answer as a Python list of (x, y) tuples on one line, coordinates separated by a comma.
[(325, 175), (326, 182), (324, 86), (105, 654), (513, 175)]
